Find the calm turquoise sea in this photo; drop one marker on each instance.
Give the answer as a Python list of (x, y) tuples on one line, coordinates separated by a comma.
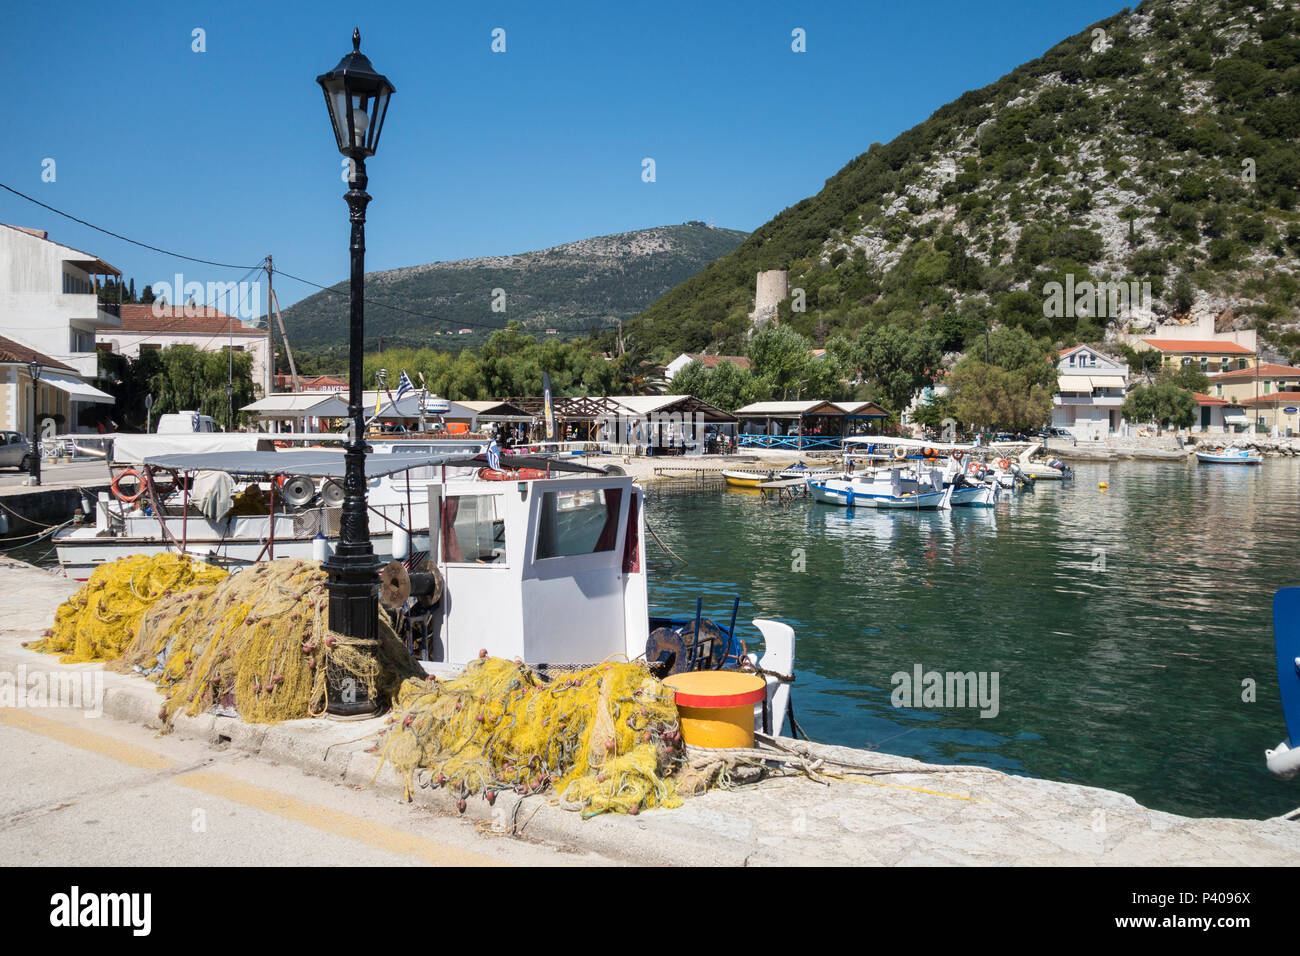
[(1125, 626)]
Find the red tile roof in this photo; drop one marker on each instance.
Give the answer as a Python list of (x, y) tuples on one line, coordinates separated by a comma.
[(1208, 399), (1209, 346), (309, 383), (1266, 370), (181, 320), (713, 361), (1277, 398), (16, 352)]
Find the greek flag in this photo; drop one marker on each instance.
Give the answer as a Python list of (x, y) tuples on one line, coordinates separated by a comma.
[(404, 385), (494, 456)]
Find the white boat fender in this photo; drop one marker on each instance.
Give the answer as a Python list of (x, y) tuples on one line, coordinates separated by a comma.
[(1283, 761), (320, 549), (401, 544)]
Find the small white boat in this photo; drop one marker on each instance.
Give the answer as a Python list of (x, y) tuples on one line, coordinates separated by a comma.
[(1229, 456), (886, 488), (940, 465)]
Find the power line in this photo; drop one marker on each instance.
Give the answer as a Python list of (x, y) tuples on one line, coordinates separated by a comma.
[(227, 265), (108, 232)]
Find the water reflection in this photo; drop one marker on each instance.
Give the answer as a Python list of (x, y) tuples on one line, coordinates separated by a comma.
[(1122, 622)]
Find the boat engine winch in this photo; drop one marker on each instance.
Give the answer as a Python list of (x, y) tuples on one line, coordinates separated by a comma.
[(676, 645), (411, 598)]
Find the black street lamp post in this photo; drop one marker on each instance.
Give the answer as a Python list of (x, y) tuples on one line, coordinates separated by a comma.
[(357, 99), (34, 372)]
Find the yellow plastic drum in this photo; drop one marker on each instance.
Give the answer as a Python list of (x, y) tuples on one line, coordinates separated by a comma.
[(716, 708)]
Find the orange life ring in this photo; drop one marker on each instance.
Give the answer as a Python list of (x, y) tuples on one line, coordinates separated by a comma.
[(957, 454), (1004, 463), (117, 491), (974, 466), (523, 474), (900, 453)]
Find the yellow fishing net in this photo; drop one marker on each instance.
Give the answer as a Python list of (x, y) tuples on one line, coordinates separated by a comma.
[(101, 619), (605, 738), (258, 642)]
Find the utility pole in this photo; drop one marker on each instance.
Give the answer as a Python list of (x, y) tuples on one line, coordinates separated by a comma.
[(268, 380), (288, 351)]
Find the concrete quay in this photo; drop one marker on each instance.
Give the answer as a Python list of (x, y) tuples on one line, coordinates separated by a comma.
[(919, 815)]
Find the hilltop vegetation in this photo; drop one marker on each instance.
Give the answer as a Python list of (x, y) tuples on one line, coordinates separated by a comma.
[(1157, 146), (574, 288)]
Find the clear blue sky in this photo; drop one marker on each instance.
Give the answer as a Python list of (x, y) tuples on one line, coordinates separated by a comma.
[(228, 154)]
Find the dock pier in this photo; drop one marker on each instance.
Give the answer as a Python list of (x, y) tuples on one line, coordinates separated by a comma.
[(905, 812)]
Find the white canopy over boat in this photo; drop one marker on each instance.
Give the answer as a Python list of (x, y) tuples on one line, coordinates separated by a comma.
[(905, 443), (323, 463)]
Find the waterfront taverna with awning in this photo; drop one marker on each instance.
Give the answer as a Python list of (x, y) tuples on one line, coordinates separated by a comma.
[(805, 425)]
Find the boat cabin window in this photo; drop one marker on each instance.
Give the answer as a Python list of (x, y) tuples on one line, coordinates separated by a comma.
[(472, 531), (578, 522)]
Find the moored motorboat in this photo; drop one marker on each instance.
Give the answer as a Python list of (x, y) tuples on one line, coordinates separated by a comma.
[(1231, 455)]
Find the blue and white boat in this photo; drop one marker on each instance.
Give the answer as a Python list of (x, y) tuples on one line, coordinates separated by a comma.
[(1283, 761), (893, 488), (940, 465), (1229, 456)]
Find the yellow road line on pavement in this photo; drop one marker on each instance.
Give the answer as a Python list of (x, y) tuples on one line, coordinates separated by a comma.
[(74, 736), (342, 824), (226, 787)]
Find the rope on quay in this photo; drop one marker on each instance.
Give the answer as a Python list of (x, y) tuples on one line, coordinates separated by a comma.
[(49, 530), (23, 517), (731, 767)]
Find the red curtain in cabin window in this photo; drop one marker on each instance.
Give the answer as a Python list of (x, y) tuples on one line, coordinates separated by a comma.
[(632, 543), (609, 533), (450, 546)]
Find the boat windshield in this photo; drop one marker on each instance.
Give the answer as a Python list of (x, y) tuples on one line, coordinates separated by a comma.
[(582, 521)]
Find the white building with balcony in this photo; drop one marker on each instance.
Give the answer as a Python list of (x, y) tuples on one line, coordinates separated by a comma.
[(1090, 389), (48, 304)]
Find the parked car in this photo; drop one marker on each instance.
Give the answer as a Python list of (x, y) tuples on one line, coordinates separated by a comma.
[(1053, 432), (15, 451)]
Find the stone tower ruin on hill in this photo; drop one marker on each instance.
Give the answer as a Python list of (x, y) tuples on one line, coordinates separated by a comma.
[(770, 288)]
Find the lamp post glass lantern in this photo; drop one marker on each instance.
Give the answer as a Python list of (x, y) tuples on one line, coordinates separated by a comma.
[(357, 100), (34, 469)]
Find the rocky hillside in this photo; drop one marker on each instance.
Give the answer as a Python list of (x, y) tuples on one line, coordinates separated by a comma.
[(1158, 146), (570, 288)]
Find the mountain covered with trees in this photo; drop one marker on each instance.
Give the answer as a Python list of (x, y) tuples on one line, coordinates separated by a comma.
[(574, 289), (1157, 146)]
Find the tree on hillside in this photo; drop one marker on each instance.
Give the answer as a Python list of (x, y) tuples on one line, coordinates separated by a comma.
[(780, 357), (1015, 350), (726, 385), (900, 361), (1190, 378), (1165, 404), (989, 396)]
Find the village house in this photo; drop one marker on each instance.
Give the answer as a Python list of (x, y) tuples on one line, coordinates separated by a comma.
[(1089, 397), (1199, 343), (208, 329), (1262, 393), (51, 311)]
